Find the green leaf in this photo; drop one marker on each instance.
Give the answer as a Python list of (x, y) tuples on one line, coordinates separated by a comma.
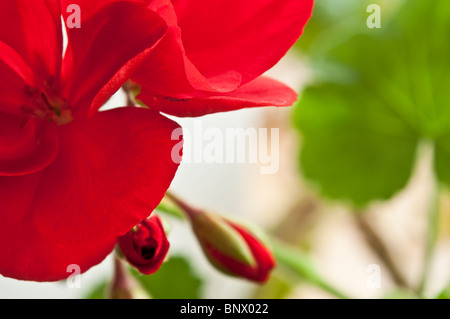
[(379, 93), (174, 280), (400, 294), (276, 288), (349, 152), (327, 27), (445, 294), (99, 291)]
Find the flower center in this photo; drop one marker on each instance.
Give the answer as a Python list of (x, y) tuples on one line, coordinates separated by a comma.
[(47, 104)]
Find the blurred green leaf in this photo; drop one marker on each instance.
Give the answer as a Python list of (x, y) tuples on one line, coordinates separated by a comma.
[(99, 291), (334, 21), (174, 280), (445, 294), (401, 294), (361, 127), (276, 288)]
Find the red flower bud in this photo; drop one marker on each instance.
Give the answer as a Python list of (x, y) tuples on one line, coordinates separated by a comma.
[(146, 245), (233, 248)]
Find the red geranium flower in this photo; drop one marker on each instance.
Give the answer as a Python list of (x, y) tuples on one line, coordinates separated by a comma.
[(73, 179), (214, 52)]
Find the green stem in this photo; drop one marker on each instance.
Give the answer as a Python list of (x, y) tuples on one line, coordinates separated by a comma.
[(381, 250), (121, 286), (168, 207), (432, 231), (182, 206), (299, 263)]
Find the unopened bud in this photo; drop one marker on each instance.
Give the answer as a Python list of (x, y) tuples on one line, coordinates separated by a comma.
[(233, 248), (146, 245)]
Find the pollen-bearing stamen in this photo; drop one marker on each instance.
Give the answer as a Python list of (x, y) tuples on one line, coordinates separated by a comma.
[(47, 104)]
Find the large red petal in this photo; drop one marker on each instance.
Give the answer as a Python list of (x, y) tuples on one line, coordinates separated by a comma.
[(105, 43), (33, 29), (25, 253), (27, 145), (248, 37), (112, 171), (260, 92)]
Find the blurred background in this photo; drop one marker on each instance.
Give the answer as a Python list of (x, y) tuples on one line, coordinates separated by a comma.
[(364, 172)]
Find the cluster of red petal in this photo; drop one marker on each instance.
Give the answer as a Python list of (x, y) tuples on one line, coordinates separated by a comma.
[(72, 179)]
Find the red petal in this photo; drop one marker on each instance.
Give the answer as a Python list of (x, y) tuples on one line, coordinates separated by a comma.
[(33, 29), (106, 42), (27, 145), (112, 171), (15, 76), (260, 92), (263, 256), (26, 254), (167, 70), (248, 37)]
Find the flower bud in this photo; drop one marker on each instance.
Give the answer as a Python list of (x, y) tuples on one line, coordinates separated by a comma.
[(146, 245), (233, 248)]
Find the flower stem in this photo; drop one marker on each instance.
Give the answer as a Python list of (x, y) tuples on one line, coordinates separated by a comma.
[(169, 208), (432, 231), (379, 247), (182, 205), (124, 285), (120, 287), (302, 266)]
